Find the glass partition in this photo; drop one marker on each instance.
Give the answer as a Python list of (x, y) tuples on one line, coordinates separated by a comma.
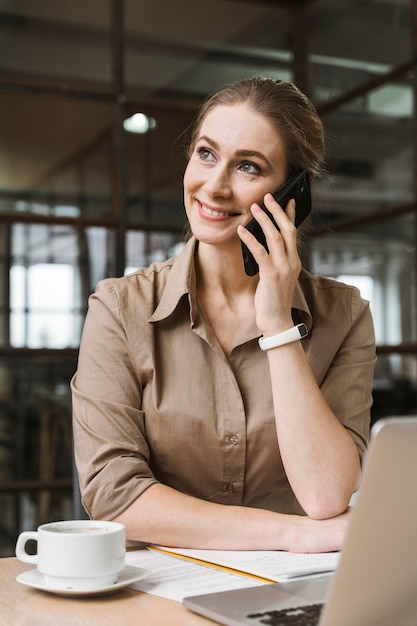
[(369, 156), (55, 156), (155, 164), (381, 261), (56, 40)]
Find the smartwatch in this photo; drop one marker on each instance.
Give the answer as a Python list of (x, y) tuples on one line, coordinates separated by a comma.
[(288, 336)]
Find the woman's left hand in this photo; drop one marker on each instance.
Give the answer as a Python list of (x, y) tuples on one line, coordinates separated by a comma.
[(278, 269)]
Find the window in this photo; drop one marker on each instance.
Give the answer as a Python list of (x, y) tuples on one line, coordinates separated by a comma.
[(42, 315)]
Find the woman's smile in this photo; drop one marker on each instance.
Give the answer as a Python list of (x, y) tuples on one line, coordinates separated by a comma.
[(215, 213)]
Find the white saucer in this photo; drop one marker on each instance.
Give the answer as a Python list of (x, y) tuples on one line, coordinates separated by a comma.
[(127, 576)]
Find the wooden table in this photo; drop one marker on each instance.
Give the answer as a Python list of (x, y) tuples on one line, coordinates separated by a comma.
[(25, 606)]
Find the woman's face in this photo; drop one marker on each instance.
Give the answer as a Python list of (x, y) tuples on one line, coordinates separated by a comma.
[(238, 158)]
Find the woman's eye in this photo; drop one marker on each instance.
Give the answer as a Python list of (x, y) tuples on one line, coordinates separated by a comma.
[(250, 168), (205, 154)]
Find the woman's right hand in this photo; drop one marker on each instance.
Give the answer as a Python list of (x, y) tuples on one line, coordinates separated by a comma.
[(311, 535), (278, 269)]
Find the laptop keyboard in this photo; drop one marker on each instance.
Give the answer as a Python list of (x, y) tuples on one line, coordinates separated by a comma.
[(300, 616)]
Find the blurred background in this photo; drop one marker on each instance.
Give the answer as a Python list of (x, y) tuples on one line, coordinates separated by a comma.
[(86, 192)]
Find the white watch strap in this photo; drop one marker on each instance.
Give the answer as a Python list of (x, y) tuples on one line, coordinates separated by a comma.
[(292, 334)]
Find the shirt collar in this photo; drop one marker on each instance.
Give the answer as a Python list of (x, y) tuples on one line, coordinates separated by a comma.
[(181, 281)]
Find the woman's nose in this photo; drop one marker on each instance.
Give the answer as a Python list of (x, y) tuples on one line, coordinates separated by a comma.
[(218, 183)]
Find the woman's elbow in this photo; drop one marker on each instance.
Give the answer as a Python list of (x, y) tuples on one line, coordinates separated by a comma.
[(323, 507)]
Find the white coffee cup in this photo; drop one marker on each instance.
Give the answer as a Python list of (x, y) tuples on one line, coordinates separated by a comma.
[(77, 554)]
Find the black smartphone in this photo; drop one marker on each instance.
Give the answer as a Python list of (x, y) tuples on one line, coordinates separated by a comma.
[(297, 186)]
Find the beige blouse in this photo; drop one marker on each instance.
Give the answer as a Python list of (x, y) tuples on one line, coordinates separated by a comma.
[(155, 399)]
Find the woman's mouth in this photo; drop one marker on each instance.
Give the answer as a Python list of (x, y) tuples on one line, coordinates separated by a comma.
[(214, 212)]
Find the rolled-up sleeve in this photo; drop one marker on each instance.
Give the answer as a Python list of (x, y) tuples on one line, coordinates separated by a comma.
[(111, 451), (341, 352)]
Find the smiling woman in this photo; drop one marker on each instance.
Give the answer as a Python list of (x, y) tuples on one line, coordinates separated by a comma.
[(185, 430), (236, 160)]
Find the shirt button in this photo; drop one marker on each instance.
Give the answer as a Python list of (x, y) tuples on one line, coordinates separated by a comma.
[(229, 487), (234, 439)]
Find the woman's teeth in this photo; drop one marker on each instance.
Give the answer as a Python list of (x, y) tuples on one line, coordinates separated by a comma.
[(208, 211)]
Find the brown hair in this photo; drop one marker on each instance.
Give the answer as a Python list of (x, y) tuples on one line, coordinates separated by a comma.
[(286, 107)]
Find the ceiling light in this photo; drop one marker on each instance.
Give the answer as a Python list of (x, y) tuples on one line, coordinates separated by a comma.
[(139, 123)]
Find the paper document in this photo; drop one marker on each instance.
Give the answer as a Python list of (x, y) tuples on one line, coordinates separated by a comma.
[(174, 578), (177, 573), (270, 565)]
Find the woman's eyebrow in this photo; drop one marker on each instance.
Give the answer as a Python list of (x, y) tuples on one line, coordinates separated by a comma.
[(212, 142), (252, 153)]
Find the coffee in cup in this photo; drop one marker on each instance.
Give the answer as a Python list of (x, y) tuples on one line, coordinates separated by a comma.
[(80, 554)]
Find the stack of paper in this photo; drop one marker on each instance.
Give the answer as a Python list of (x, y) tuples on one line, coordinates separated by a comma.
[(176, 573)]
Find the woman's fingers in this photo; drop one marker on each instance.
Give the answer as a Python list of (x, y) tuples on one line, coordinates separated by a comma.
[(281, 240)]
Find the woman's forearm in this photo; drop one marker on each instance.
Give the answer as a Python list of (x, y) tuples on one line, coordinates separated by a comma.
[(164, 516), (319, 455)]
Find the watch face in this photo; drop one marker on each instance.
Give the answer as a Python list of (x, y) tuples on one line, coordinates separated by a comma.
[(303, 330)]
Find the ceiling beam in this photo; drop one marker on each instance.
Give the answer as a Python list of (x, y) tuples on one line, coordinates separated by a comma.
[(278, 4), (394, 74)]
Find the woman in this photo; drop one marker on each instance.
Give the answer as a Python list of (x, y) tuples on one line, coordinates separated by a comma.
[(185, 430)]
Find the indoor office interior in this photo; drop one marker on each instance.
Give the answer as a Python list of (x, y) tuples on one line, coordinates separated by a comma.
[(96, 99)]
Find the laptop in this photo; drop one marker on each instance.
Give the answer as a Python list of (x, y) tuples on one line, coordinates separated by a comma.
[(375, 583)]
